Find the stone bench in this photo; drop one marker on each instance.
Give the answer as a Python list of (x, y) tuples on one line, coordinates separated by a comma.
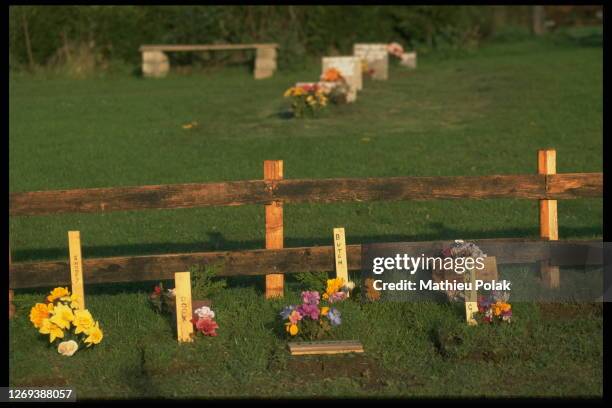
[(155, 61)]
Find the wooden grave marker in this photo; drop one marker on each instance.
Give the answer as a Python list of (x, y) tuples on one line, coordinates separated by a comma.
[(340, 254), (376, 56), (471, 301), (182, 290), (350, 69), (76, 267)]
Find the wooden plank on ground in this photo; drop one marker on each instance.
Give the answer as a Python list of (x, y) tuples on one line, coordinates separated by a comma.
[(536, 186), (325, 347)]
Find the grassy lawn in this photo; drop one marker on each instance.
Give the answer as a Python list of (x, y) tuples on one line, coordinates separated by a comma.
[(485, 113)]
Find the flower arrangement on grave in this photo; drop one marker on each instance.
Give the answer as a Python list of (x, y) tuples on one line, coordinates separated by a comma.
[(395, 49), (203, 318), (65, 323), (204, 321), (163, 301), (494, 308), (317, 316), (334, 85), (458, 249), (306, 100)]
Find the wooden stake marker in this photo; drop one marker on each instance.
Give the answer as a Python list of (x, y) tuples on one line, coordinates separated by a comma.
[(340, 254), (76, 267), (471, 304), (325, 347), (273, 170), (184, 326), (549, 228), (471, 296)]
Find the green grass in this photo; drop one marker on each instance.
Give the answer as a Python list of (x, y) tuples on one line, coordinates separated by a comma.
[(485, 113)]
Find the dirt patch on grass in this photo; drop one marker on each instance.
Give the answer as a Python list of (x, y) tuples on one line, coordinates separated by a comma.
[(174, 368), (42, 382), (363, 369), (464, 345), (564, 311)]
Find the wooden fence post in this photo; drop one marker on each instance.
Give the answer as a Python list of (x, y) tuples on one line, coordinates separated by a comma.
[(549, 227), (273, 170), (10, 292)]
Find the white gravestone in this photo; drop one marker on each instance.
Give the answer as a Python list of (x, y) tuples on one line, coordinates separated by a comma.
[(350, 69), (376, 57), (409, 59)]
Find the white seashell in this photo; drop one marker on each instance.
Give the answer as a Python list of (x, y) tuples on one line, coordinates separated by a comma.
[(67, 348)]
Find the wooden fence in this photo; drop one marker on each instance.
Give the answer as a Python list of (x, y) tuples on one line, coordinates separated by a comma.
[(273, 191)]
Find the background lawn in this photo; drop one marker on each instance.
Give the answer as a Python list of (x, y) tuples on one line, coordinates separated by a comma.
[(479, 114)]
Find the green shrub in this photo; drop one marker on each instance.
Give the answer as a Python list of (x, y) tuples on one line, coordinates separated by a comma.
[(204, 283)]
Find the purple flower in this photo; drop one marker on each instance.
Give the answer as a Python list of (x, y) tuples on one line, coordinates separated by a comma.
[(309, 310), (334, 316), (484, 302), (310, 297), (287, 311)]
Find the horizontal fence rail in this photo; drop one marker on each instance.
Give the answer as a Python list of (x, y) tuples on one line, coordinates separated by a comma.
[(288, 260), (535, 186)]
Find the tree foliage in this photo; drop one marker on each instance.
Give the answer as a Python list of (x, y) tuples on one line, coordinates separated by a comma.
[(116, 32)]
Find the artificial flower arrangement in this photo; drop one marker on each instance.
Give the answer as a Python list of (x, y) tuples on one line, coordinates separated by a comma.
[(316, 316), (163, 301), (61, 318), (203, 319), (395, 49), (494, 308), (307, 99), (335, 86), (458, 249)]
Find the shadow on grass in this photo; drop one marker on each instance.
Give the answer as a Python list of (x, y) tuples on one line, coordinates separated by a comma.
[(283, 115), (217, 242)]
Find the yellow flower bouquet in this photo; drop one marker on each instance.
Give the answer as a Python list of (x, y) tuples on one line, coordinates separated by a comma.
[(65, 323), (307, 99)]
